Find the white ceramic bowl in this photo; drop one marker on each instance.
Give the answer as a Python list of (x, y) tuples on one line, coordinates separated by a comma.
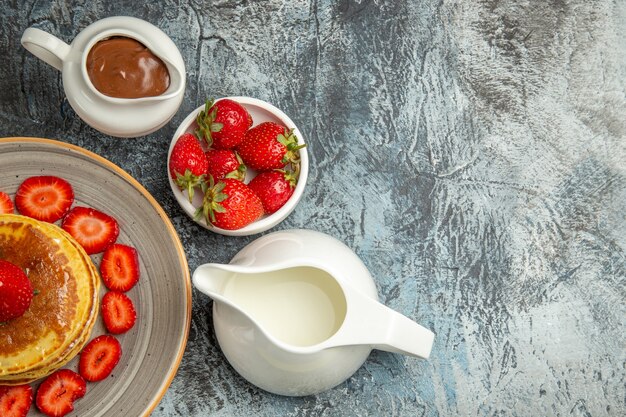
[(260, 111)]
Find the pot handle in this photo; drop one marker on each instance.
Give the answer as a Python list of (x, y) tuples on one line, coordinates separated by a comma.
[(45, 46)]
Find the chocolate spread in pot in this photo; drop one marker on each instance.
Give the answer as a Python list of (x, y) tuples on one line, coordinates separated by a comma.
[(124, 68)]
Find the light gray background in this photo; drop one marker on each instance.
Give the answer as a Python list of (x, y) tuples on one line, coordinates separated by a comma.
[(471, 152)]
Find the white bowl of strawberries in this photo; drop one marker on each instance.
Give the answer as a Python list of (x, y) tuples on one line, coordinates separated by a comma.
[(237, 166)]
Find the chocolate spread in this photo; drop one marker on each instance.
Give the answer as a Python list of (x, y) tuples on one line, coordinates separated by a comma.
[(124, 68)]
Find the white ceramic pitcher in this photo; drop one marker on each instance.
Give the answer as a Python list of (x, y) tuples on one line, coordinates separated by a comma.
[(296, 312), (120, 117)]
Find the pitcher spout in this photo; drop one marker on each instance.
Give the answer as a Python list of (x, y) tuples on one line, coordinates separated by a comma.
[(369, 322), (177, 81), (212, 279)]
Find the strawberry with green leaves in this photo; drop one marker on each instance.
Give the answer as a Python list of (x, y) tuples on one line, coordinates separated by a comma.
[(225, 163), (229, 204), (269, 146), (188, 163), (223, 123), (274, 188)]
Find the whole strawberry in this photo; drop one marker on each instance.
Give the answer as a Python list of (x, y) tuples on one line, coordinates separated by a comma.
[(225, 163), (16, 291), (269, 146), (273, 188), (223, 124), (229, 204), (188, 163)]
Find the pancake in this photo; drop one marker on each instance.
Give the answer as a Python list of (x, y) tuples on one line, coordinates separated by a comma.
[(27, 377), (61, 316), (44, 370)]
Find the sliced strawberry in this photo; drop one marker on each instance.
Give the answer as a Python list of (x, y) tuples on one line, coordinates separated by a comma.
[(99, 357), (120, 267), (45, 198), (93, 229), (56, 395), (118, 312), (6, 205), (15, 401)]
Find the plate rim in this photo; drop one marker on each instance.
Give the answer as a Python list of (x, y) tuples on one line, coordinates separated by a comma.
[(173, 369)]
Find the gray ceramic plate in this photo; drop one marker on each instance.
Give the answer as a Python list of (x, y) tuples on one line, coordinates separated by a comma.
[(153, 348)]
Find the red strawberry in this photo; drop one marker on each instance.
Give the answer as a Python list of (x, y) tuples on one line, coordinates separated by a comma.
[(119, 267), (273, 188), (16, 291), (15, 401), (230, 204), (45, 198), (57, 393), (223, 124), (188, 163), (269, 146), (94, 230), (6, 205), (99, 357), (118, 312), (225, 163)]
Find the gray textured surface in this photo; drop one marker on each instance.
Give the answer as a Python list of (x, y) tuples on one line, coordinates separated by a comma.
[(472, 153)]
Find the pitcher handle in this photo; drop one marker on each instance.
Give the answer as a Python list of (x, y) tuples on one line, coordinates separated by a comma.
[(45, 46)]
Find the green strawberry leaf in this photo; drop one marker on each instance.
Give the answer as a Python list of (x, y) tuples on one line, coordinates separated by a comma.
[(219, 187), (213, 196), (240, 172), (219, 197), (205, 121), (189, 181), (290, 141)]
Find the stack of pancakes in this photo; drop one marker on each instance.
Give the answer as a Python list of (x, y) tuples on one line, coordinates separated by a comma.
[(64, 308)]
